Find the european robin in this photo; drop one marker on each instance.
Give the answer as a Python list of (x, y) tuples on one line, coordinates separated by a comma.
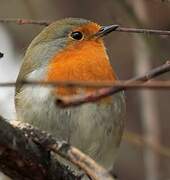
[(72, 49)]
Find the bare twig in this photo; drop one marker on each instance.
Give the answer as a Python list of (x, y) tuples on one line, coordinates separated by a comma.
[(25, 21), (136, 139), (109, 87), (145, 31), (119, 29), (165, 0), (157, 84), (104, 92)]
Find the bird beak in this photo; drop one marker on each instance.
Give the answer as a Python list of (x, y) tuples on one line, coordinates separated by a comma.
[(104, 30)]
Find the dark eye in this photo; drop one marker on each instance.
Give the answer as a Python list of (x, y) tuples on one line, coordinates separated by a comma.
[(77, 35)]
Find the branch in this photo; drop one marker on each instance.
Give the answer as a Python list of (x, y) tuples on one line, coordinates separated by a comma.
[(24, 155), (22, 159), (104, 92), (65, 150), (106, 88), (92, 84), (145, 31), (25, 21), (119, 29), (165, 0), (137, 140)]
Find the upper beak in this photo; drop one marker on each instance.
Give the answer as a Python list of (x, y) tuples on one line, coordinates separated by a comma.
[(104, 30)]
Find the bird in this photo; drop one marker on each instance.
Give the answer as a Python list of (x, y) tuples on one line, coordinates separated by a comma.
[(72, 49)]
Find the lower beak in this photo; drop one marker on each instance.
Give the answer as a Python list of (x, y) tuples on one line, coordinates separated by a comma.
[(104, 30)]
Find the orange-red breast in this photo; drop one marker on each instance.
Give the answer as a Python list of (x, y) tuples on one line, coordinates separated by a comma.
[(72, 49)]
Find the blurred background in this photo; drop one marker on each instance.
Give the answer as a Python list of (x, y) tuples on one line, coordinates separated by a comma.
[(148, 112)]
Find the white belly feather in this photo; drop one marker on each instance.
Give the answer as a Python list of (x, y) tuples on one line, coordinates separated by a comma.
[(95, 129)]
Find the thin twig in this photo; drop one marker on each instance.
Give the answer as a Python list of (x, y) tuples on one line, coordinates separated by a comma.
[(25, 21), (110, 87), (145, 31), (104, 92), (119, 29), (165, 1), (157, 84), (136, 139)]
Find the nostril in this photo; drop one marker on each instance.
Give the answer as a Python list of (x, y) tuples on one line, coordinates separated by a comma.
[(101, 29)]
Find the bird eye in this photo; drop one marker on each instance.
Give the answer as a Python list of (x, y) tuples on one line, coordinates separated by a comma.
[(77, 35)]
